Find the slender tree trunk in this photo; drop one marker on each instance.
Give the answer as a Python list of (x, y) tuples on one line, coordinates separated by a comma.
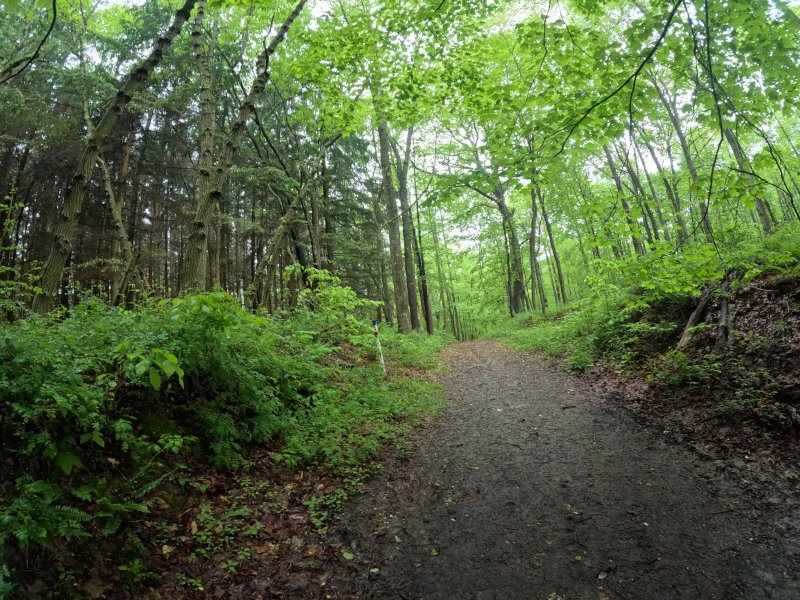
[(672, 112), (377, 215), (656, 199), (212, 195), (509, 277), (120, 189), (66, 228), (651, 227), (401, 168), (517, 274), (423, 277), (328, 245), (532, 251), (556, 258), (744, 165), (440, 275), (672, 194), (637, 243), (393, 225)]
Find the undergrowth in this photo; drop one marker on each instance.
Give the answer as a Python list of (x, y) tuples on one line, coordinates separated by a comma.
[(638, 309), (101, 404)]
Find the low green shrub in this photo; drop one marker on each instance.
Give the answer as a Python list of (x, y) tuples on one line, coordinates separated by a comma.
[(99, 403), (679, 368)]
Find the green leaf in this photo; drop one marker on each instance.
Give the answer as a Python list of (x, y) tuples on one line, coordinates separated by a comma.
[(97, 438), (67, 461), (155, 379), (168, 367)]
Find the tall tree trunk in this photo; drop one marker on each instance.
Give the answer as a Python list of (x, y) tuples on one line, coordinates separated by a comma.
[(198, 239), (744, 165), (651, 227), (401, 300), (66, 228), (661, 222), (437, 255), (377, 215), (672, 113), (328, 245), (423, 277), (672, 194), (552, 240), (532, 250), (634, 232), (119, 192), (509, 277), (401, 168), (517, 274)]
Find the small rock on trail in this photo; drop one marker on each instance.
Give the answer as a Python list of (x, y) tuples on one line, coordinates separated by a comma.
[(526, 487)]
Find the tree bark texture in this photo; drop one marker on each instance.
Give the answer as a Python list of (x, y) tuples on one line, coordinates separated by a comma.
[(66, 227), (198, 239), (401, 301)]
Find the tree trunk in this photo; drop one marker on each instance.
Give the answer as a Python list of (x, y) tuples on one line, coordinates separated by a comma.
[(532, 251), (440, 275), (423, 277), (328, 246), (401, 168), (637, 243), (744, 165), (66, 228), (517, 274), (661, 222), (687, 155), (393, 225), (672, 194), (206, 200), (550, 237), (651, 227)]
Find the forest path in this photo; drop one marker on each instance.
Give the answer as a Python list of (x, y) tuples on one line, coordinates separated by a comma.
[(529, 487)]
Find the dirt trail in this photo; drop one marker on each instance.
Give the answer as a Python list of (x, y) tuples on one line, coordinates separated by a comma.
[(528, 487)]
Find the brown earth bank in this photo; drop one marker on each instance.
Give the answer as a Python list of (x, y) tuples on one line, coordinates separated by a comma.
[(532, 486), (737, 406)]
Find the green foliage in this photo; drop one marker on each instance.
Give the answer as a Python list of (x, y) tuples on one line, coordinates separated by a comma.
[(678, 368), (413, 349), (99, 399)]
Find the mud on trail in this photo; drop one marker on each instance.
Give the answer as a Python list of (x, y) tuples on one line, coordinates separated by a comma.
[(529, 487)]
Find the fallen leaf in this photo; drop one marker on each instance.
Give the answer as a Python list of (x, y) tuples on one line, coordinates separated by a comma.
[(94, 588), (348, 555), (434, 552)]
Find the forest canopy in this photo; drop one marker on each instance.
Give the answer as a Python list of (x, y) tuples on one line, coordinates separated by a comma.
[(156, 148)]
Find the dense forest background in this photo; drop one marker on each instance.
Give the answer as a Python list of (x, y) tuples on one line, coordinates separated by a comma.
[(248, 183), (476, 154)]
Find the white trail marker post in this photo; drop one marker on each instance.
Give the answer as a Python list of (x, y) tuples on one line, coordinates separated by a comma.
[(378, 344)]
